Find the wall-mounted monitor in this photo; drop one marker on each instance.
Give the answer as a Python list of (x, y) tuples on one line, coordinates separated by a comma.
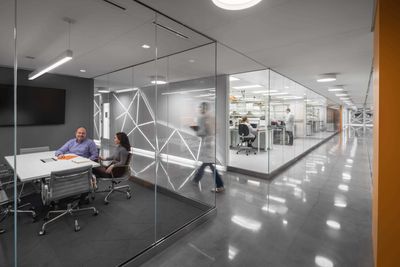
[(35, 105)]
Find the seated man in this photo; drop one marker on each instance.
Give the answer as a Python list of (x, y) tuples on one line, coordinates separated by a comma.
[(80, 145), (252, 132)]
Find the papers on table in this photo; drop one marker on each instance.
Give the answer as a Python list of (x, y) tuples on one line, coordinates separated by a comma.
[(80, 160)]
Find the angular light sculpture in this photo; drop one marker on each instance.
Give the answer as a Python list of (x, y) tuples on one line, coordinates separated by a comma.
[(61, 59)]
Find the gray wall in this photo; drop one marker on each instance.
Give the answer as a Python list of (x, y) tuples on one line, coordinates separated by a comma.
[(78, 112)]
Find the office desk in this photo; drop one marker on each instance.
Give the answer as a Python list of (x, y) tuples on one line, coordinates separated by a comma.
[(30, 167)]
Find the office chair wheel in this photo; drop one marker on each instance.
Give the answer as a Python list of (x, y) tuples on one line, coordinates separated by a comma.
[(106, 202), (42, 232), (96, 213), (128, 195), (237, 152)]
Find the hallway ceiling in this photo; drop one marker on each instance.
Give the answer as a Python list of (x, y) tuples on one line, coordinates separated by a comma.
[(298, 38)]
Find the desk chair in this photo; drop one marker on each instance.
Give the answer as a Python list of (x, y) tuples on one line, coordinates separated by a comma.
[(66, 184), (119, 174), (245, 141), (6, 182)]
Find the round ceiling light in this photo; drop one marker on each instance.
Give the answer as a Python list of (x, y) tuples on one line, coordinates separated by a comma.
[(235, 4)]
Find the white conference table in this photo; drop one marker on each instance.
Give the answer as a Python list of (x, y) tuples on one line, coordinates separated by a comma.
[(31, 167)]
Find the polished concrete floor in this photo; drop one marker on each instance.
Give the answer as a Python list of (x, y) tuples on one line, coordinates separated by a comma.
[(317, 213)]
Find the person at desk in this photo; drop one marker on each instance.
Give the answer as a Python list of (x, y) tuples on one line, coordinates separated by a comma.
[(289, 125), (119, 158), (80, 145), (252, 132)]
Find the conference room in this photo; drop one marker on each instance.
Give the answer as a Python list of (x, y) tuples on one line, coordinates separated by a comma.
[(109, 68)]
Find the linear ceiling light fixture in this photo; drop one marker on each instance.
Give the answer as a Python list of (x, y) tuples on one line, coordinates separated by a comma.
[(235, 4), (328, 77), (61, 59), (58, 61)]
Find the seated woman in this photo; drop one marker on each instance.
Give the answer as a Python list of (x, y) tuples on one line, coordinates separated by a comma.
[(119, 158), (252, 132)]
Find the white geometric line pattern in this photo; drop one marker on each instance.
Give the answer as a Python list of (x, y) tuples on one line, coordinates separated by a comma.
[(127, 114)]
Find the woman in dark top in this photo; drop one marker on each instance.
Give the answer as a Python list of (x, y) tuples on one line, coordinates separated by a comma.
[(119, 158)]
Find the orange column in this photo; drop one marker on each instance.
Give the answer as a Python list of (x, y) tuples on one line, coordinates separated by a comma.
[(386, 180)]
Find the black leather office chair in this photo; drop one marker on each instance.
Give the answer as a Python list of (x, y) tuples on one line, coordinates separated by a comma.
[(66, 184), (245, 140), (119, 174)]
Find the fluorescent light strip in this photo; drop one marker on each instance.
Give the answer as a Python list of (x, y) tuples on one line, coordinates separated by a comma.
[(247, 86), (335, 89), (232, 79), (188, 91), (158, 82), (127, 90), (61, 59), (341, 94), (273, 94), (103, 91)]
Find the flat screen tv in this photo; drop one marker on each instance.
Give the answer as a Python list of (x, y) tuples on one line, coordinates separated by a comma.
[(35, 105)]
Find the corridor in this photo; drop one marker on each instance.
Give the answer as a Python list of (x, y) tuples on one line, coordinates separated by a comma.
[(317, 213)]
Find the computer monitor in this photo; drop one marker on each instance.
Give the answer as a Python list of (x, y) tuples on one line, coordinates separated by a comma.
[(254, 125)]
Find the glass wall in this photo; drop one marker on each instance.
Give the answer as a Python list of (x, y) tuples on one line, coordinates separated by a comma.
[(285, 119), (8, 184), (124, 68)]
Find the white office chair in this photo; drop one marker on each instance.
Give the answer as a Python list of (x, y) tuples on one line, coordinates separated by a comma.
[(66, 184)]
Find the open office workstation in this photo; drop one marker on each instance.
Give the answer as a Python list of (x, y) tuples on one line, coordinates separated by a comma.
[(135, 71)]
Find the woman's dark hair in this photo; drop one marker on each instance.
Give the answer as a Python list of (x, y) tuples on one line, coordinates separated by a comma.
[(124, 140)]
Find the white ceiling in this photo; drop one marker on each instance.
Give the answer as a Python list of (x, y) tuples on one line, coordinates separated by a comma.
[(298, 38)]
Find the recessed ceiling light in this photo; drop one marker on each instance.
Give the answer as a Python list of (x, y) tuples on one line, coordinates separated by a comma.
[(235, 4), (158, 82), (247, 86), (232, 79), (329, 77), (145, 46), (336, 88), (191, 60), (82, 70), (341, 94)]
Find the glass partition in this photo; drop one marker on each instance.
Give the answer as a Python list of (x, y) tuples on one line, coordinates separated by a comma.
[(284, 118), (98, 70), (8, 184)]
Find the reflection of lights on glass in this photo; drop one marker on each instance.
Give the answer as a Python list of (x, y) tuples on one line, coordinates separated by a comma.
[(278, 183), (312, 171), (322, 168), (343, 187), (252, 182), (246, 223), (323, 262), (340, 204), (333, 224), (232, 252), (295, 181), (268, 209), (304, 199), (290, 184), (346, 176), (284, 222), (350, 161), (277, 199), (348, 166)]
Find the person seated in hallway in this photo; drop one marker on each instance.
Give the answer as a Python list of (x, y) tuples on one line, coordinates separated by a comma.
[(252, 132), (289, 125), (119, 158), (80, 145)]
